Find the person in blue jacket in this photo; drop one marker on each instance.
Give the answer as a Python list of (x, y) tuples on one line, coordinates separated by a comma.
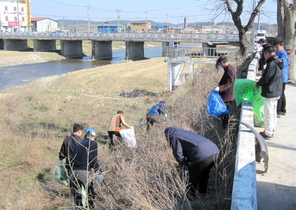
[(154, 114), (282, 54), (84, 160), (195, 153)]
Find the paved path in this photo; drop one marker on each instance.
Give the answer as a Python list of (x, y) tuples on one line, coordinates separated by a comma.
[(277, 188)]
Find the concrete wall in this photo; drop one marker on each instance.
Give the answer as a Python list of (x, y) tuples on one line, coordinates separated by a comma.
[(102, 50), (71, 49), (44, 45), (134, 51), (244, 192), (15, 44)]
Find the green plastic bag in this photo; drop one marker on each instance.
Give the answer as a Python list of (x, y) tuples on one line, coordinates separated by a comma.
[(244, 90), (60, 174)]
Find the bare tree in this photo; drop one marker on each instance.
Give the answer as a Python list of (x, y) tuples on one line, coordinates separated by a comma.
[(286, 30), (236, 17)]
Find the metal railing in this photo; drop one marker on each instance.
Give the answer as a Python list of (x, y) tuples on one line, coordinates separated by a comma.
[(156, 37)]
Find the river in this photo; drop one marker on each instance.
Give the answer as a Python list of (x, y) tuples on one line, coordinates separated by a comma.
[(11, 76)]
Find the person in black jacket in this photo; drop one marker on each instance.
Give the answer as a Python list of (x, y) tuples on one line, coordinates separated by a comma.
[(196, 153), (272, 84), (84, 160), (67, 149)]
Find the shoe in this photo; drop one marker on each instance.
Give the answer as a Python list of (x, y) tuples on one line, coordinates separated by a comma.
[(283, 113), (265, 136), (278, 115)]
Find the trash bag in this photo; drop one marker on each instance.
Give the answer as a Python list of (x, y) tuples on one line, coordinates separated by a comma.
[(128, 137), (60, 174), (244, 90), (216, 106)]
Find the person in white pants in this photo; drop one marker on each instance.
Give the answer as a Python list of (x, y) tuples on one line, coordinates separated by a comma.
[(272, 84)]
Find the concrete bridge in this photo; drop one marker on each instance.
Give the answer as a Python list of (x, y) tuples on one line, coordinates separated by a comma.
[(71, 43)]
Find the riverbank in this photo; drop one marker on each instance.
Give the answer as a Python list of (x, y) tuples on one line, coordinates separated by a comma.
[(12, 58)]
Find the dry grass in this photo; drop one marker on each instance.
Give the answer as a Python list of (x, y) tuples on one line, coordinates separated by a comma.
[(36, 118)]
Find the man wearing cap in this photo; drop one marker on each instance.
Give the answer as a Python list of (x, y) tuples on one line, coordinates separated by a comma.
[(115, 125), (84, 160), (154, 114), (196, 154), (262, 60)]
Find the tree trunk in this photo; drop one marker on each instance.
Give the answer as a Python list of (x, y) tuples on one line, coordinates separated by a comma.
[(286, 31), (244, 44)]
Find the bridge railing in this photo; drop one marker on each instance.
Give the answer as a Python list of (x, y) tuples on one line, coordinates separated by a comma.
[(193, 37)]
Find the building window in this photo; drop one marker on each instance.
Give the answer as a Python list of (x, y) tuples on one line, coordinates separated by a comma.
[(22, 9), (6, 18), (6, 8), (15, 18), (14, 9)]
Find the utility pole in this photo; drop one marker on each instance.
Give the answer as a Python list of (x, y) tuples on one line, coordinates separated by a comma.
[(88, 19), (146, 23), (118, 16), (18, 16)]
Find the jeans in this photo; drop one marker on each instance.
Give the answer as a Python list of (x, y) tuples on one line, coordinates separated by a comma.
[(270, 115)]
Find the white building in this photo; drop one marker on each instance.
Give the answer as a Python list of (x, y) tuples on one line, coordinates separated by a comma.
[(44, 24), (13, 16)]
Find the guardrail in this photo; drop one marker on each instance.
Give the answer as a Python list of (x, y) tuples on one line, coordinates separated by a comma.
[(244, 192), (157, 37)]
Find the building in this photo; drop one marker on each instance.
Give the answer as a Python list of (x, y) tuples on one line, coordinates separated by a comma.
[(13, 15), (44, 24), (109, 28), (140, 26)]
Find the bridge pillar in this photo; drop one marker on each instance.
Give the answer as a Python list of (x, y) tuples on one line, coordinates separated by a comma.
[(209, 50), (44, 45), (134, 51), (1, 44), (15, 44), (102, 50), (71, 49)]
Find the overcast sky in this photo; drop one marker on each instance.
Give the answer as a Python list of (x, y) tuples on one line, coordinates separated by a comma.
[(171, 11)]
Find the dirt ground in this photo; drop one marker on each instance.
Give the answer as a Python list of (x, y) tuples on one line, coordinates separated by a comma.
[(150, 74), (10, 58)]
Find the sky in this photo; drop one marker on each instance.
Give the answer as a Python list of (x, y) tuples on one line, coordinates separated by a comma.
[(171, 11)]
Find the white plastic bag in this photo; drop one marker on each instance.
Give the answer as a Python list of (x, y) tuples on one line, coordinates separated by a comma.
[(128, 136)]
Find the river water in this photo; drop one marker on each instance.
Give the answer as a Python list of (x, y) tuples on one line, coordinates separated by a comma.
[(11, 76)]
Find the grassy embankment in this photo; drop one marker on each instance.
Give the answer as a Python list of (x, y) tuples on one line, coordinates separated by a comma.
[(35, 119)]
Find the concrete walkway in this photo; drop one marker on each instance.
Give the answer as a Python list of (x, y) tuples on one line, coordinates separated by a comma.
[(276, 190)]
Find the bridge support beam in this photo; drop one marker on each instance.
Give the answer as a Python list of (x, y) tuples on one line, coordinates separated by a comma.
[(209, 50), (102, 50), (71, 49), (15, 44), (1, 44), (134, 51), (44, 45)]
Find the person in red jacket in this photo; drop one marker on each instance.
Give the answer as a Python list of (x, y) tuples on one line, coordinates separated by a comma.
[(226, 85)]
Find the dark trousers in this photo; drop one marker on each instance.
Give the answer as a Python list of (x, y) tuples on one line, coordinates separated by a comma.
[(112, 138), (81, 178), (199, 174), (225, 118), (151, 119), (281, 104)]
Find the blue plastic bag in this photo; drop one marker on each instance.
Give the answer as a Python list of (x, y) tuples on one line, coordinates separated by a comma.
[(216, 106)]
